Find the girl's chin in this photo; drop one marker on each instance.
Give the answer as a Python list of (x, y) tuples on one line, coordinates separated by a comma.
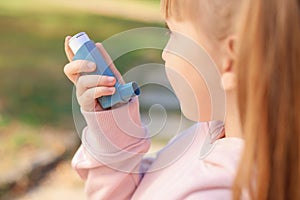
[(194, 113)]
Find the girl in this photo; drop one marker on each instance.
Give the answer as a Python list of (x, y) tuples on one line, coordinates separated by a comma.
[(269, 100), (195, 165)]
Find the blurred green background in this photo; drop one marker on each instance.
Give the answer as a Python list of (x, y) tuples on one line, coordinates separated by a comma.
[(33, 87), (34, 93)]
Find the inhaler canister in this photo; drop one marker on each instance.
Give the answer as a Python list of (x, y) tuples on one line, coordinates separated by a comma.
[(85, 49)]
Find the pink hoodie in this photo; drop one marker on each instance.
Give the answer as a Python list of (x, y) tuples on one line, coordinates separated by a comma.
[(194, 165)]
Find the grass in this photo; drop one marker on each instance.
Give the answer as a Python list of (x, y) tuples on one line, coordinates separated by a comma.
[(33, 88)]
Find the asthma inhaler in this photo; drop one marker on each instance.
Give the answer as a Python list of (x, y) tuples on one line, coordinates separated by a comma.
[(85, 49)]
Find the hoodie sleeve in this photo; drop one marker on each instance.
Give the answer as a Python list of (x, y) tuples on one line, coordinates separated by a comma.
[(113, 145)]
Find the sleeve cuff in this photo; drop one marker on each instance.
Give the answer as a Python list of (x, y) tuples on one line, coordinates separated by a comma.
[(111, 131)]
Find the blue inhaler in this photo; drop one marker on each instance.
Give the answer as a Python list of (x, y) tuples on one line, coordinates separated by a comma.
[(85, 49)]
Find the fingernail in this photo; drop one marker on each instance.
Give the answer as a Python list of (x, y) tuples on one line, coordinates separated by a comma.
[(91, 65), (111, 79)]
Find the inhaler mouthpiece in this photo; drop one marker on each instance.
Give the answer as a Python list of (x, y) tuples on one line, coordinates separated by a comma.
[(129, 90)]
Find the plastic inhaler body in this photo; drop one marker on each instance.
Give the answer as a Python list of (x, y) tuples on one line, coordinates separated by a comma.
[(85, 49)]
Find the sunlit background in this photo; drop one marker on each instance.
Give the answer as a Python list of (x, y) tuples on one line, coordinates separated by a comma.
[(37, 134)]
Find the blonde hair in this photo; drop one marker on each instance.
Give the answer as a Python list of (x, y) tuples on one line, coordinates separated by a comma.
[(268, 69), (216, 16)]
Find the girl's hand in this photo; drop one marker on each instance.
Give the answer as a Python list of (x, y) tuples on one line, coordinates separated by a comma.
[(90, 87)]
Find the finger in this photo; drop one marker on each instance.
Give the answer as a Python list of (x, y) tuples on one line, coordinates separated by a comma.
[(74, 68), (91, 94), (110, 63), (91, 81), (68, 50)]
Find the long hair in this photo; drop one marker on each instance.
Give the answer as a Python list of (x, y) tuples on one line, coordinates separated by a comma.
[(268, 70)]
